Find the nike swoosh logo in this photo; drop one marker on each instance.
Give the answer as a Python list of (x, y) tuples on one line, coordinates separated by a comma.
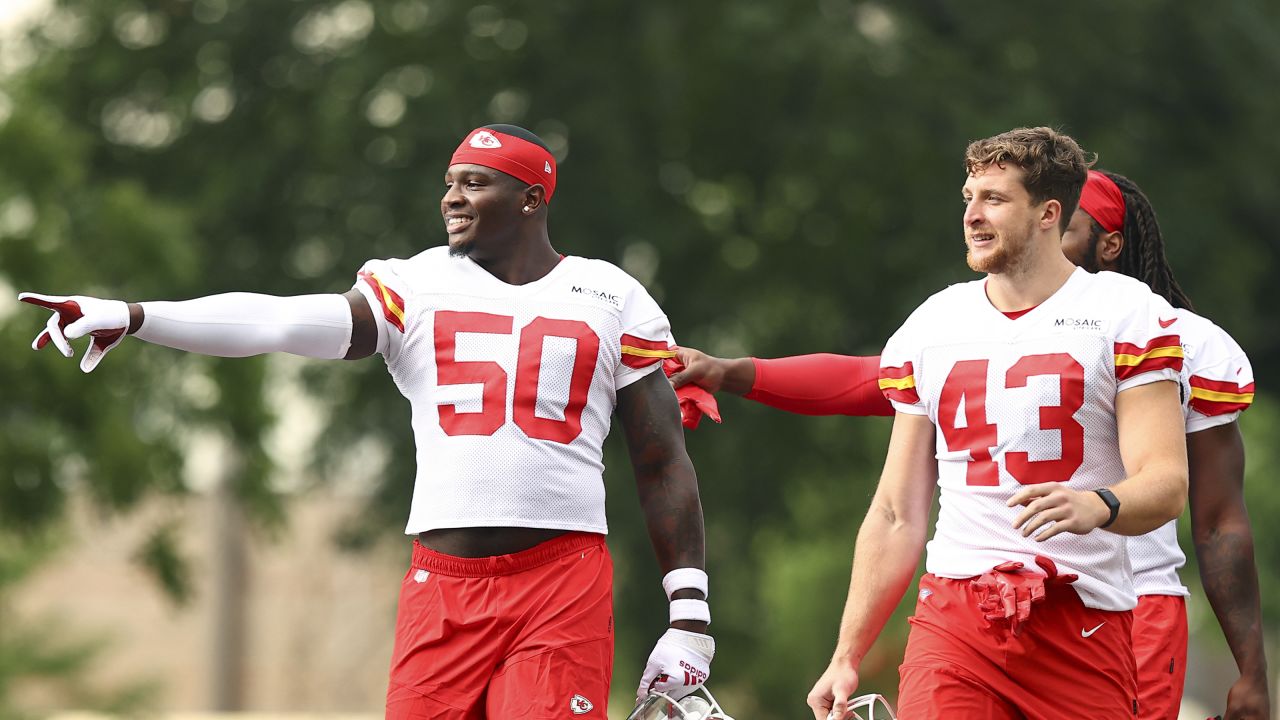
[(1087, 633), (1166, 323)]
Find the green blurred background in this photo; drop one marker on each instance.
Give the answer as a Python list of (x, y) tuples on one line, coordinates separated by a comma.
[(783, 176)]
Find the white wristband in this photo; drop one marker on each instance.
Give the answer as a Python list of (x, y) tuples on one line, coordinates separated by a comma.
[(691, 610), (685, 578)]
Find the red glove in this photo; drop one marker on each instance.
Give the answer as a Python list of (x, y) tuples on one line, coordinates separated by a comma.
[(1007, 591), (694, 401)]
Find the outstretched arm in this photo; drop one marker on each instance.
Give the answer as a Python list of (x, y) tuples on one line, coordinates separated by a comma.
[(229, 325), (820, 384), (885, 557), (1224, 546), (714, 374)]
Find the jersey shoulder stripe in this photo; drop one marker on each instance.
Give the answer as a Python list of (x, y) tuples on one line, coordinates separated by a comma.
[(1216, 397), (1164, 352), (639, 353), (899, 383), (391, 302)]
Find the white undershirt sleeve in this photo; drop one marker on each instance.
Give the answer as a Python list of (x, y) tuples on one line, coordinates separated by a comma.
[(244, 324)]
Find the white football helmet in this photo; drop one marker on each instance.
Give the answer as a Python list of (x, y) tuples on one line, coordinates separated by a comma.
[(700, 705), (866, 707)]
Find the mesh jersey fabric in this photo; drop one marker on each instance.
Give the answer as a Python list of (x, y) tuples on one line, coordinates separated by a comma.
[(1217, 386), (1027, 401), (512, 387)]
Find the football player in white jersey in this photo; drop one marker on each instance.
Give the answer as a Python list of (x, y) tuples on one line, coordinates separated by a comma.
[(1115, 228), (1043, 401), (513, 358)]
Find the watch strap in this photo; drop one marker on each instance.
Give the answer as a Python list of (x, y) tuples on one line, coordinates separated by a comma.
[(1113, 504)]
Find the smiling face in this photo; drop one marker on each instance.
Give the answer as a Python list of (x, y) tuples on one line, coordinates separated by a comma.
[(1000, 220), (481, 209)]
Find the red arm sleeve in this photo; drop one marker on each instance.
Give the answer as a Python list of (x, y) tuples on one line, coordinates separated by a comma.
[(822, 384)]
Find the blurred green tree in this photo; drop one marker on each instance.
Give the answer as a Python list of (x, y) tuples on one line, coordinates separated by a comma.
[(778, 173)]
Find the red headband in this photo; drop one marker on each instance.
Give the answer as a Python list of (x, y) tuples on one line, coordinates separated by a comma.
[(514, 156), (1101, 198)]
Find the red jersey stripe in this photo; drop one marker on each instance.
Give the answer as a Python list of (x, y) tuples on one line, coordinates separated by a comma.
[(640, 343), (639, 353), (392, 303), (1213, 408), (1164, 352), (897, 373), (1220, 386), (1150, 363), (899, 384), (1164, 341), (908, 396), (1217, 397), (640, 361)]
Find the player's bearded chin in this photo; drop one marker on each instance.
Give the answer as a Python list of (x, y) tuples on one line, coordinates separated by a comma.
[(1007, 255), (995, 261), (462, 249)]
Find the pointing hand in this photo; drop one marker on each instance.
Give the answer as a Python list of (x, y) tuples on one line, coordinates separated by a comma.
[(75, 316)]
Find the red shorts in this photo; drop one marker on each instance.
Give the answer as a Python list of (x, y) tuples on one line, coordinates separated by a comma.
[(1160, 647), (526, 636), (961, 667)]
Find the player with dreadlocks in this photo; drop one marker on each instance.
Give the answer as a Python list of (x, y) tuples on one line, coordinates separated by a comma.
[(1114, 229), (1137, 248)]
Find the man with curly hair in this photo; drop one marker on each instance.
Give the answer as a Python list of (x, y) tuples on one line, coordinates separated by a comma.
[(1043, 401)]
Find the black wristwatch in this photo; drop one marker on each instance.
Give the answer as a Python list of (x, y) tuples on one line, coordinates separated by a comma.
[(1113, 504)]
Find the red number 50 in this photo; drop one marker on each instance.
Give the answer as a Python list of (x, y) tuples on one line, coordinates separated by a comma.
[(967, 382), (493, 400)]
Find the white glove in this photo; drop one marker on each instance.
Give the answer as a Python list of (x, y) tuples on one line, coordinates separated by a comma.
[(678, 665), (75, 316)]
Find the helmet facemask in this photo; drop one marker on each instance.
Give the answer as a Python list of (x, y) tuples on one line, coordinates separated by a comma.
[(699, 705), (866, 707)]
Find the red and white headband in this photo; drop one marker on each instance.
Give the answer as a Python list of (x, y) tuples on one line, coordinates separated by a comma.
[(517, 157), (1103, 201)]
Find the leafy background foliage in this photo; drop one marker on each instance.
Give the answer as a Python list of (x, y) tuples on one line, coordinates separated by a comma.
[(781, 175)]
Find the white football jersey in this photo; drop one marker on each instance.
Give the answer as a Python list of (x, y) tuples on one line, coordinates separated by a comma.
[(1024, 401), (512, 386), (1217, 387)]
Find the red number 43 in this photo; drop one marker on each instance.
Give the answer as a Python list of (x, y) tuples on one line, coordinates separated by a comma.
[(966, 386)]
